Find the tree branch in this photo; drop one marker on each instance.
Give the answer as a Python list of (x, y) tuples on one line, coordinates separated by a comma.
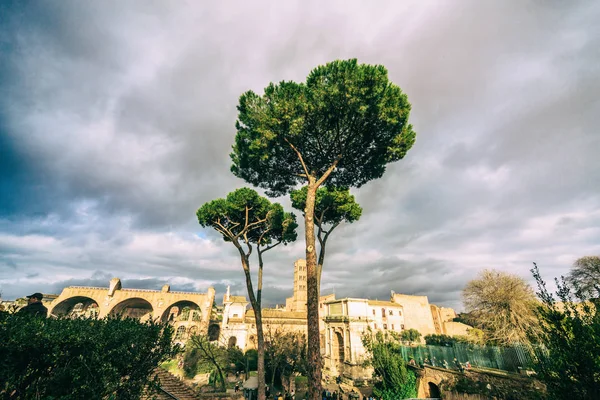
[(329, 171), (299, 157), (229, 233), (270, 247)]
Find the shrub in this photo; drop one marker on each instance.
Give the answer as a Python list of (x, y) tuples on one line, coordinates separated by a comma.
[(393, 379), (79, 358), (568, 361)]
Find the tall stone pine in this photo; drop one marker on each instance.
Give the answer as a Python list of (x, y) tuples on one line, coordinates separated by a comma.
[(332, 207), (341, 127), (246, 219)]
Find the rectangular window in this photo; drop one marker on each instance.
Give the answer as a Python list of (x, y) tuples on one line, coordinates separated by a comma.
[(373, 312), (235, 315), (384, 326), (391, 312), (392, 326), (375, 326), (402, 326)]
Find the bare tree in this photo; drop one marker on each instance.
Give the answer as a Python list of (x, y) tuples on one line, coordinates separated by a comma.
[(503, 306), (585, 275)]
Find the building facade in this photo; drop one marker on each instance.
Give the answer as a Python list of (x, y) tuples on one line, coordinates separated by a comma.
[(343, 322)]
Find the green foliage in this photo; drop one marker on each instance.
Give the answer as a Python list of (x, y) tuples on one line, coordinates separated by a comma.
[(236, 359), (393, 379), (439, 340), (203, 355), (410, 335), (464, 318), (475, 336), (244, 214), (251, 359), (346, 113), (332, 205), (79, 358), (569, 361), (285, 353)]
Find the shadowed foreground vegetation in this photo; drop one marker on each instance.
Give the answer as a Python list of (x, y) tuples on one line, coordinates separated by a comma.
[(79, 358)]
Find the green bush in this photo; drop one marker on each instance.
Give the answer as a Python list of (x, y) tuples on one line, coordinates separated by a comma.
[(393, 380), (568, 361), (79, 358), (439, 340)]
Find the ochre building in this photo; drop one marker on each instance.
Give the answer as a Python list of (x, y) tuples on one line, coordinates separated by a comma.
[(188, 312), (343, 322)]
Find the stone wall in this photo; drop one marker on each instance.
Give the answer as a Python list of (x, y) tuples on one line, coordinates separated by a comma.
[(417, 313), (480, 384), (456, 328)]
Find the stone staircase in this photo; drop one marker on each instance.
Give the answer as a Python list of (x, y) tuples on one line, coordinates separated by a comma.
[(172, 388)]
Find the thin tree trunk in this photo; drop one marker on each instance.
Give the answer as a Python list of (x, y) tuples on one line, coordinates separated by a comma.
[(322, 245), (259, 332), (273, 378), (312, 286), (221, 378), (261, 354), (320, 264)]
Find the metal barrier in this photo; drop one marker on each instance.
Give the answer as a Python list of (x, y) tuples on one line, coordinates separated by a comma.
[(513, 358)]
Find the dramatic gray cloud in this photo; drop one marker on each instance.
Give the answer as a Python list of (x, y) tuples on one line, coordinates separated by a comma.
[(117, 119)]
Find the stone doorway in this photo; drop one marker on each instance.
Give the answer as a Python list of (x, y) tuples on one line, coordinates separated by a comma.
[(337, 351), (434, 391)]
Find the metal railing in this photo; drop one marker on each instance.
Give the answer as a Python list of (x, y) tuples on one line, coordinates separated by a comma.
[(512, 359)]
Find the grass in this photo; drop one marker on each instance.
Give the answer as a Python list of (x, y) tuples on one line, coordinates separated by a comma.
[(301, 380)]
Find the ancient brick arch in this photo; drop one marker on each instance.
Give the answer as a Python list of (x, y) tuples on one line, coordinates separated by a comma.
[(134, 307), (429, 380), (169, 310), (68, 306), (114, 299)]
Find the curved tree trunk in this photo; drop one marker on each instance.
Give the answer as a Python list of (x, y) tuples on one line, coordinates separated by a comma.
[(221, 378), (312, 286)]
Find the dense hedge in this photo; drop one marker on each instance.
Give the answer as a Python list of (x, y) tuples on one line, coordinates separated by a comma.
[(79, 358)]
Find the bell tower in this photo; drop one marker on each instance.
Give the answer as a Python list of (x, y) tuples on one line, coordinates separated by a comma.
[(298, 301)]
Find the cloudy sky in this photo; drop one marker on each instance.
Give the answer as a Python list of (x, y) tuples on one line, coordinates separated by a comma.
[(117, 119)]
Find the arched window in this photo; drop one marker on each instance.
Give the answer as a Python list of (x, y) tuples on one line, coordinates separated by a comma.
[(196, 315), (185, 314), (180, 333), (214, 330)]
